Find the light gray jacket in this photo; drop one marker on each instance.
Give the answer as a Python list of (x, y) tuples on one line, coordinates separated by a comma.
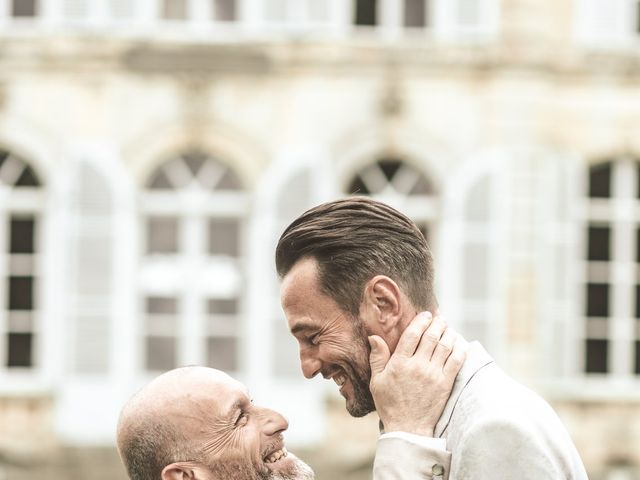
[(494, 428)]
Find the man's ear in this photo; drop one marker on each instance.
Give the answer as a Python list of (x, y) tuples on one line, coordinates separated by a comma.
[(178, 471), (382, 307)]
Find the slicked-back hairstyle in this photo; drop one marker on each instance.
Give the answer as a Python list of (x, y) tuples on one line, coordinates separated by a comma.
[(353, 240)]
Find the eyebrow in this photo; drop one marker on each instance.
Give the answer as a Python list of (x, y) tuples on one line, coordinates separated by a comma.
[(237, 405), (301, 327)]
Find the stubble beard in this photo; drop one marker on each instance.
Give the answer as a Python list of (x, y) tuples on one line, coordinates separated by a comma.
[(359, 372)]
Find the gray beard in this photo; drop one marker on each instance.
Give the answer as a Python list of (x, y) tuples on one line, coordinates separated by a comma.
[(241, 471), (302, 472)]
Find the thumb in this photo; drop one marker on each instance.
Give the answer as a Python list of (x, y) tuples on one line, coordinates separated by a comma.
[(379, 354)]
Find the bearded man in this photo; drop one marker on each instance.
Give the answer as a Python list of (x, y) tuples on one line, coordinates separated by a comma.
[(197, 423), (354, 273)]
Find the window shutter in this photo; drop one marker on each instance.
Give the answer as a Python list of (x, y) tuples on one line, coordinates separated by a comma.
[(91, 260), (294, 199), (75, 9), (477, 271), (121, 9)]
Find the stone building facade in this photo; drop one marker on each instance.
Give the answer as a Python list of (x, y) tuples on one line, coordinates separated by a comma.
[(152, 151)]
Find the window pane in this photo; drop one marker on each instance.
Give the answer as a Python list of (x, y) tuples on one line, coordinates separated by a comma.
[(27, 178), (225, 10), (174, 10), (194, 161), (160, 181), (637, 301), (161, 353), (598, 241), (638, 245), (21, 232), (597, 300), (476, 266), (162, 235), (478, 202), (317, 11), (222, 353), (24, 8), (19, 346), (389, 168), (222, 306), (121, 9), (637, 366), (229, 181), (285, 351), (600, 181), (468, 12), (422, 187), (357, 187), (276, 10), (163, 305), (414, 13), (76, 8), (366, 12), (223, 237), (20, 293), (596, 352)]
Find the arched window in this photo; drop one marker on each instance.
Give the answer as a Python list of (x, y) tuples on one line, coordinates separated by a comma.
[(612, 289), (399, 183), (20, 215), (192, 277)]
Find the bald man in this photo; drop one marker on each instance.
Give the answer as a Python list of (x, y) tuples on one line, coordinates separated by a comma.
[(197, 423)]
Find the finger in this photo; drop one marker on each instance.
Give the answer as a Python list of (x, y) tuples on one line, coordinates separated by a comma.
[(456, 359), (444, 347), (431, 337), (411, 336), (379, 356)]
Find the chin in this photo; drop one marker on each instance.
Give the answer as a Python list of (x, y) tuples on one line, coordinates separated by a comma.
[(289, 468)]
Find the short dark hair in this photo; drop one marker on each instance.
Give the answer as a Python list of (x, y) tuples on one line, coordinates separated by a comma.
[(354, 239)]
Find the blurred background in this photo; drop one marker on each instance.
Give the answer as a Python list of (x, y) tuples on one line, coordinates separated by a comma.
[(152, 151)]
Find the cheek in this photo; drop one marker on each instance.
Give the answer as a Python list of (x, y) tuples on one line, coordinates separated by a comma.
[(338, 346), (226, 440)]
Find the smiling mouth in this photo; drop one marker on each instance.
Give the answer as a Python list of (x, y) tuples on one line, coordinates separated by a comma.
[(340, 379), (273, 457)]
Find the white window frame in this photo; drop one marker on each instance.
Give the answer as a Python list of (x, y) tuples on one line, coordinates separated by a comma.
[(621, 212), (28, 201), (191, 275), (620, 34), (444, 23)]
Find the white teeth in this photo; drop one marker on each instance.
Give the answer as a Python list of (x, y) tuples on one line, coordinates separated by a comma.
[(275, 456), (339, 379)]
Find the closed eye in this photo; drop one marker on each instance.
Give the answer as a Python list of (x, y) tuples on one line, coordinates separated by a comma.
[(242, 420), (314, 339)]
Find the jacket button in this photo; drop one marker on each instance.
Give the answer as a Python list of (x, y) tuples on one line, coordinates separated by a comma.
[(437, 470)]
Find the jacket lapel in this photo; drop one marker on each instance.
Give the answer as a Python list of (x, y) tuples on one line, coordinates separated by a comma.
[(477, 358)]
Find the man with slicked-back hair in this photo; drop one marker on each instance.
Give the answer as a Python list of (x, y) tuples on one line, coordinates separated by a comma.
[(354, 274)]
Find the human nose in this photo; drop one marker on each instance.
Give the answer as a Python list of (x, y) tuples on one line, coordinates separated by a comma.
[(310, 364), (274, 422)]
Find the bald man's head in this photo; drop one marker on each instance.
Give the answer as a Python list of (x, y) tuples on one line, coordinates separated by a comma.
[(201, 422)]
